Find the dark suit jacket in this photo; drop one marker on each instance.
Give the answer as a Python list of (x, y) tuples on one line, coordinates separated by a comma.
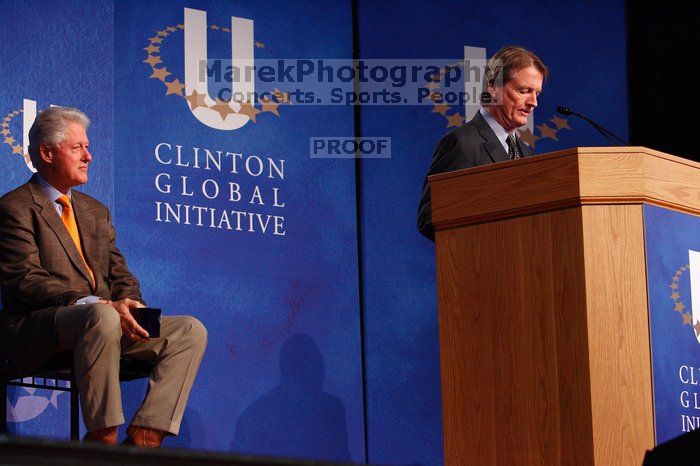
[(467, 146), (41, 268)]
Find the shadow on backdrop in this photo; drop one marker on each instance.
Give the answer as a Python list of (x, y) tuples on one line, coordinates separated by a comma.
[(296, 418)]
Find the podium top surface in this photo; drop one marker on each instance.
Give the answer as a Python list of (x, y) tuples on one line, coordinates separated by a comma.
[(566, 178)]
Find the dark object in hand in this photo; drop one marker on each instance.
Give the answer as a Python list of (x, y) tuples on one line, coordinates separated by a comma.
[(149, 319)]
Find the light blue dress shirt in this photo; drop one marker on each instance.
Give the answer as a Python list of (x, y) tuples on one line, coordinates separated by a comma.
[(501, 133)]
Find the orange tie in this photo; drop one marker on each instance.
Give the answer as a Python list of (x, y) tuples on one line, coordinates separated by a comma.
[(69, 221)]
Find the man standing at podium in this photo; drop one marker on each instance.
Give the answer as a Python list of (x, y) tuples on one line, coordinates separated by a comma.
[(512, 82)]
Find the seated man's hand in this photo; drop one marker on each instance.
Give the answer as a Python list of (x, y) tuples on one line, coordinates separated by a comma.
[(130, 328)]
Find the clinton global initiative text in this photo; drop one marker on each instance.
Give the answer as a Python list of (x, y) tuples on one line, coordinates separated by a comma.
[(199, 180)]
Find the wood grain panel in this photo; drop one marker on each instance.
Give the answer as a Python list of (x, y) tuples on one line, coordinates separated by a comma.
[(505, 189), (585, 175), (676, 184), (618, 323), (642, 176), (611, 175), (544, 331), (513, 342)]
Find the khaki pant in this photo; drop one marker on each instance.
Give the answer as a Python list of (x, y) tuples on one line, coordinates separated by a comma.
[(93, 333)]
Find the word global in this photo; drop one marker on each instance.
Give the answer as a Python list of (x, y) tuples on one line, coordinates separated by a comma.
[(211, 189)]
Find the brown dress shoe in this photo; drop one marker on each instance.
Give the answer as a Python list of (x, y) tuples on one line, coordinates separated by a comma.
[(144, 437), (107, 435)]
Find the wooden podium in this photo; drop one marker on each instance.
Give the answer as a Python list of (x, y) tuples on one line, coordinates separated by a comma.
[(544, 326)]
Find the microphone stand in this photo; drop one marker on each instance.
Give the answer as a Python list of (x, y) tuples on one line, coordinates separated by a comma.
[(609, 135)]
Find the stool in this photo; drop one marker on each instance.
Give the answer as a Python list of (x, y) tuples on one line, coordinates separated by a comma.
[(60, 369)]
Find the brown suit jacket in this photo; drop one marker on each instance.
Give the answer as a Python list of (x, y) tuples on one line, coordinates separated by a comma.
[(41, 269)]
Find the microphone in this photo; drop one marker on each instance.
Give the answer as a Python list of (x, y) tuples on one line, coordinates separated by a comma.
[(562, 110)]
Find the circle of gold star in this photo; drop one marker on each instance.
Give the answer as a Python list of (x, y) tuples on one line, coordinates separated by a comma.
[(160, 72), (456, 119), (678, 305), (7, 137)]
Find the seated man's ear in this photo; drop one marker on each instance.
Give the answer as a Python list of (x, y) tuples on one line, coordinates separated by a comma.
[(46, 153)]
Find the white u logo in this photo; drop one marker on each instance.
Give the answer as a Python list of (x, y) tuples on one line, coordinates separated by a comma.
[(242, 56), (694, 262), (28, 117)]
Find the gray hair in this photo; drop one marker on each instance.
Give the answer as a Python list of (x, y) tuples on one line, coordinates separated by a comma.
[(506, 62), (51, 127)]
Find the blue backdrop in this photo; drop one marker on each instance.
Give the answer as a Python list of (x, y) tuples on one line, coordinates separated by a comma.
[(283, 373), (54, 68), (583, 44), (669, 237)]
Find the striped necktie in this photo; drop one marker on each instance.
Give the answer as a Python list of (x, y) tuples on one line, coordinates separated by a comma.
[(513, 149)]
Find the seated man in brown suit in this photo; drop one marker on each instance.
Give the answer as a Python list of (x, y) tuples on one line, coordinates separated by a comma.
[(65, 286)]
